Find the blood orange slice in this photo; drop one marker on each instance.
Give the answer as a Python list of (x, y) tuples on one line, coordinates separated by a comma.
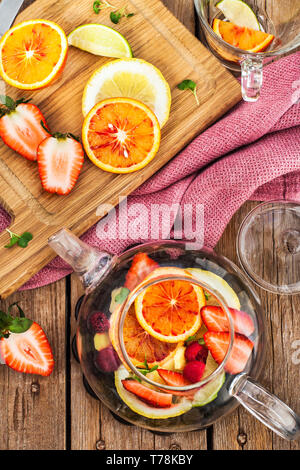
[(32, 54), (121, 135), (244, 38), (140, 346), (170, 310)]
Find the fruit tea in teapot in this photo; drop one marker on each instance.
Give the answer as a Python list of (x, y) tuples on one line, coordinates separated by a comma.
[(167, 337)]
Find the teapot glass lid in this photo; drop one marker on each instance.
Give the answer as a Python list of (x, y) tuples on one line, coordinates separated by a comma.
[(273, 224)]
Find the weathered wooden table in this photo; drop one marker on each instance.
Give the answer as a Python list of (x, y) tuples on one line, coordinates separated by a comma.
[(57, 413)]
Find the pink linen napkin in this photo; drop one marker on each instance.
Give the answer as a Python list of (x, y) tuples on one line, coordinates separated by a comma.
[(252, 153)]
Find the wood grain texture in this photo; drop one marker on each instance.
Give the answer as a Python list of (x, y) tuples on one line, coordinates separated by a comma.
[(33, 408), (92, 424), (157, 37), (281, 373), (74, 420)]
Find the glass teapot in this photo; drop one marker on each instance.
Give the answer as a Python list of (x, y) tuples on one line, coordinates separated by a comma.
[(169, 338)]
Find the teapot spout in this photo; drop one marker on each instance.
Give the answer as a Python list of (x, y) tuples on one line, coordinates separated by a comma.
[(89, 263)]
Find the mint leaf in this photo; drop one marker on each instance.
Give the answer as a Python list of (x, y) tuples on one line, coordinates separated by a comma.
[(20, 325), (147, 371), (190, 339), (21, 313), (21, 240), (22, 243), (116, 16), (10, 324), (13, 240), (27, 236), (8, 102), (98, 6), (146, 363), (189, 85)]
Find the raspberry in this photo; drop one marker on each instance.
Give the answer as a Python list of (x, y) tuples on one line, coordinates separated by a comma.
[(196, 352), (193, 371), (107, 360), (97, 322)]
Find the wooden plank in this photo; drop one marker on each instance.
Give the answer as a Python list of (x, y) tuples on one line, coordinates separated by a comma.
[(91, 423), (90, 419), (156, 36), (33, 408), (184, 11), (84, 410), (237, 431), (280, 374)]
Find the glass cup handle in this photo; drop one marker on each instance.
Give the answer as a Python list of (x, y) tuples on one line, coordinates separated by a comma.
[(266, 407), (251, 79)]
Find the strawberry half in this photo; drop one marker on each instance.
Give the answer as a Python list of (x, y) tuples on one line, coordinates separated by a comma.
[(149, 396), (140, 267), (218, 344), (216, 320), (60, 159), (20, 126), (24, 345), (175, 379)]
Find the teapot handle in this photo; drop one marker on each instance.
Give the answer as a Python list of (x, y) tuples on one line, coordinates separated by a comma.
[(266, 407), (251, 78)]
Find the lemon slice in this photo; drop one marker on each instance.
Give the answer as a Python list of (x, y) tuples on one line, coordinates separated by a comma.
[(209, 392), (142, 408), (239, 13), (129, 78), (219, 284), (101, 40)]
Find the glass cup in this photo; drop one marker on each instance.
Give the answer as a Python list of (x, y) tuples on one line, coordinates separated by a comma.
[(278, 17), (259, 402)]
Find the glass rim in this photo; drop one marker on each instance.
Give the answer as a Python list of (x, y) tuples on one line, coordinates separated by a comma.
[(164, 278), (237, 50), (258, 280)]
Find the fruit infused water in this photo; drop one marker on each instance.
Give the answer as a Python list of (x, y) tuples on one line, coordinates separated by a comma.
[(159, 339)]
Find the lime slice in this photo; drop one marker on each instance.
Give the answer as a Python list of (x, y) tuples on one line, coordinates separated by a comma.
[(239, 13), (219, 284), (142, 408), (101, 40), (209, 392), (130, 78)]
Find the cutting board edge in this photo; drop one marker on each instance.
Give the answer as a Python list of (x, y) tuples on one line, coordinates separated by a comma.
[(81, 226)]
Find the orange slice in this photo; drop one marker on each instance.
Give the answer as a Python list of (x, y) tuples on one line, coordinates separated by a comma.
[(244, 38), (138, 343), (170, 310), (121, 135), (32, 54)]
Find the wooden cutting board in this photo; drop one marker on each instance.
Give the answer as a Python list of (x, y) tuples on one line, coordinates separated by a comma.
[(156, 36)]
